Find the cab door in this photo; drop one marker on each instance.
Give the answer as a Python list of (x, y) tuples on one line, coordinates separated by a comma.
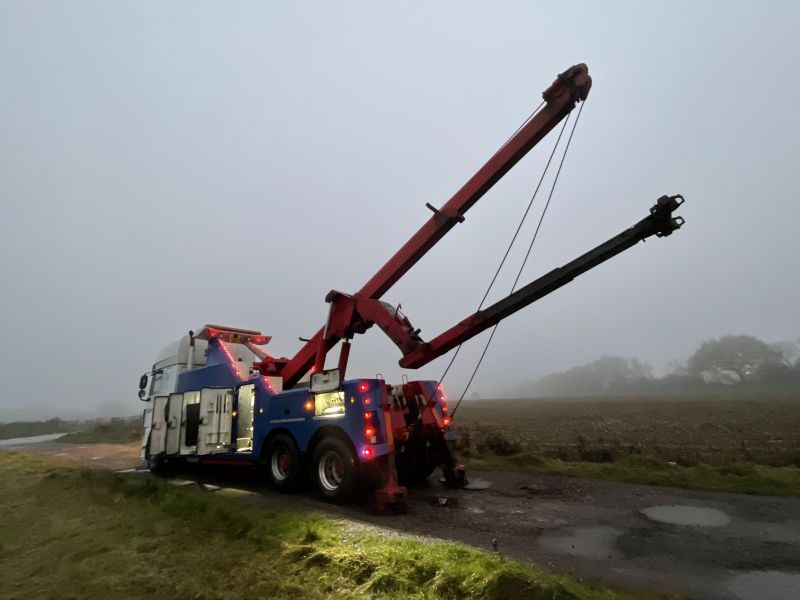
[(174, 409)]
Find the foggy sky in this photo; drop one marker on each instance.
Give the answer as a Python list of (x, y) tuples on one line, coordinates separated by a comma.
[(165, 165)]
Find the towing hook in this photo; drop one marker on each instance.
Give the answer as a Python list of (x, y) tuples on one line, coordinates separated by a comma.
[(662, 211)]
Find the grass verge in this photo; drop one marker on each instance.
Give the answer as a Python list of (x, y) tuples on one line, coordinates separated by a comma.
[(87, 534), (739, 477)]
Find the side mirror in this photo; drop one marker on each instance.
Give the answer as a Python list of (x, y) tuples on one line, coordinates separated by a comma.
[(141, 395), (142, 382)]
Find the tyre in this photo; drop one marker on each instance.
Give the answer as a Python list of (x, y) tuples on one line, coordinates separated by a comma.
[(334, 470), (283, 463), (155, 463)]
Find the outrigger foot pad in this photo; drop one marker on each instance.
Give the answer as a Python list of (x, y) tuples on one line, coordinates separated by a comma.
[(390, 500), (455, 477)]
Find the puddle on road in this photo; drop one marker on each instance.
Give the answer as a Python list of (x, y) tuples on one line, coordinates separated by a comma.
[(757, 585), (586, 542), (693, 516)]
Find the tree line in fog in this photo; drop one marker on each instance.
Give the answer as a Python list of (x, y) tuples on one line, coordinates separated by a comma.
[(730, 363)]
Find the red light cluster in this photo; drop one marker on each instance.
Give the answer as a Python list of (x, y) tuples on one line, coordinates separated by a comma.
[(369, 434)]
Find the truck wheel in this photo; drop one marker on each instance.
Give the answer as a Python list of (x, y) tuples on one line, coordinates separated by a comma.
[(334, 470), (155, 463), (283, 463)]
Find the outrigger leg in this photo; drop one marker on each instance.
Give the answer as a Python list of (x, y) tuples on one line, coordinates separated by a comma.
[(390, 497)]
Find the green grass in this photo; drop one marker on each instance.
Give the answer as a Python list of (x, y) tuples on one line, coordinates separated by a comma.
[(740, 477), (88, 534)]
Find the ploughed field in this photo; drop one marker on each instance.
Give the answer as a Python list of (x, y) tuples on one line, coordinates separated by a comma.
[(686, 430)]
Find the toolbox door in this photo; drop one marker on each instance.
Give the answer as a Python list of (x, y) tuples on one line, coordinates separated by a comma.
[(189, 422), (214, 432), (174, 409)]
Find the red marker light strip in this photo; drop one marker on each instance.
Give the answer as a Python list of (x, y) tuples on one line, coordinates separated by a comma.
[(230, 358)]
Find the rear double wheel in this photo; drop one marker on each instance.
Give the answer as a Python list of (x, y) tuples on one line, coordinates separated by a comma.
[(334, 470), (283, 463)]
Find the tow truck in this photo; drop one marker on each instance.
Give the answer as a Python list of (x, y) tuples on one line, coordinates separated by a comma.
[(217, 396)]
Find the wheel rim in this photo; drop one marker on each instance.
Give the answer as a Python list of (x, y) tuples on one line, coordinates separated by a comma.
[(331, 471), (280, 464)]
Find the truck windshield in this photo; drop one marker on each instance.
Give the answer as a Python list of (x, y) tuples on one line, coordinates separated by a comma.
[(164, 382)]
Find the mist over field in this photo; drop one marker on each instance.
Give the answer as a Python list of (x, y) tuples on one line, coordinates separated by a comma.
[(163, 166)]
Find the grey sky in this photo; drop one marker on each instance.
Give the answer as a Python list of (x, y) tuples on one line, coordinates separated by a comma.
[(163, 165)]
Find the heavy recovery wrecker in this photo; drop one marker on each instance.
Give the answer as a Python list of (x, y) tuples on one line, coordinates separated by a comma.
[(217, 397)]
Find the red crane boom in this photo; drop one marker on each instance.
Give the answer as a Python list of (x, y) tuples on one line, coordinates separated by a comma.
[(560, 98)]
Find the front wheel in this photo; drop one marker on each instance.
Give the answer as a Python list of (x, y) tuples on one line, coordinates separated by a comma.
[(156, 463), (283, 463), (334, 470)]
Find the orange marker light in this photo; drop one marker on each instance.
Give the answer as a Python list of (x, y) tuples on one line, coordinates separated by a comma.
[(233, 414), (367, 415), (309, 405)]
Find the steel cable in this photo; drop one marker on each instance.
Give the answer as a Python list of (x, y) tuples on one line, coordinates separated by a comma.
[(527, 254), (516, 233)]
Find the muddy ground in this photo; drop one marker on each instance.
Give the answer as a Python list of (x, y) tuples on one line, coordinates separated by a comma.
[(704, 544)]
